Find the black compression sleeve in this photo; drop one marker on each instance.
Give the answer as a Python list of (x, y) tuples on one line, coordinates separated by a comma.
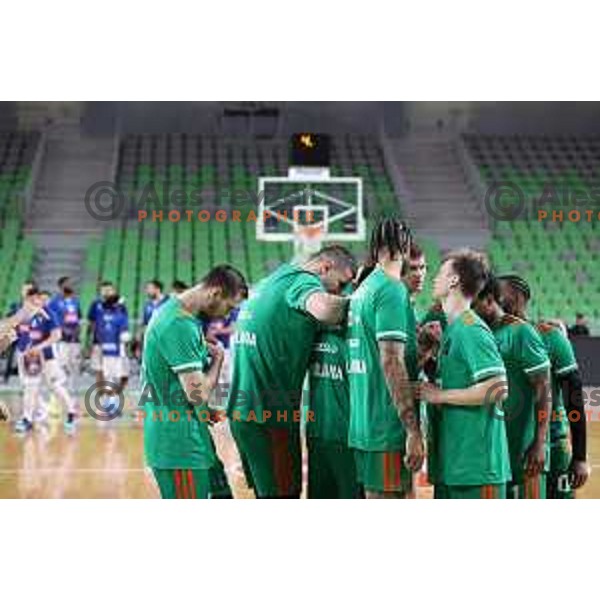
[(572, 390)]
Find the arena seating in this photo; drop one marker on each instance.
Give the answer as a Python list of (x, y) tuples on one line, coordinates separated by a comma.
[(562, 257), (217, 164), (17, 151), (133, 253)]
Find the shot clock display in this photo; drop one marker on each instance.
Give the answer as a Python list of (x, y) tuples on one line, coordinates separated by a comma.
[(309, 150)]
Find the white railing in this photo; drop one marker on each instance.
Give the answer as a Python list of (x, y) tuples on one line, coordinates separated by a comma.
[(401, 188), (476, 184), (114, 168), (36, 166)]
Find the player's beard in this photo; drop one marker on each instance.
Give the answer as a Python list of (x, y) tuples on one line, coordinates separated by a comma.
[(112, 300)]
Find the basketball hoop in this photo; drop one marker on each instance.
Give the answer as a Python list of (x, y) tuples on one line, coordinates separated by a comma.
[(336, 200), (322, 208), (308, 239)]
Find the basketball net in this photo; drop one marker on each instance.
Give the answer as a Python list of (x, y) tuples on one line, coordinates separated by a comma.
[(308, 239)]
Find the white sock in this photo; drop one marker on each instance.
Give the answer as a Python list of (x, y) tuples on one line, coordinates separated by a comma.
[(65, 397), (29, 402)]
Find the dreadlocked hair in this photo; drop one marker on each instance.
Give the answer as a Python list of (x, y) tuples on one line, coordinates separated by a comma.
[(518, 283), (391, 234)]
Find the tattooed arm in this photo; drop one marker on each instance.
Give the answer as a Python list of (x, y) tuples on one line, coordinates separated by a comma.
[(402, 393)]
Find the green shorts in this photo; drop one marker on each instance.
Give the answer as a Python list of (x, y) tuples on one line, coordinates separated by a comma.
[(383, 472), (273, 457), (470, 492), (559, 477), (531, 488), (331, 470), (182, 484)]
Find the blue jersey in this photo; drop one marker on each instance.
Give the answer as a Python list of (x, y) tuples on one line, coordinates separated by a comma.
[(36, 331), (68, 314), (111, 322), (223, 339), (93, 316), (151, 306), (95, 312)]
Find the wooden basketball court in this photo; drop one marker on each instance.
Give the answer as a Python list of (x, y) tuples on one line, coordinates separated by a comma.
[(100, 460), (105, 460)]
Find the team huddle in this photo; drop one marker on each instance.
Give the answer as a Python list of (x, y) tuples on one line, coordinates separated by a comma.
[(487, 403)]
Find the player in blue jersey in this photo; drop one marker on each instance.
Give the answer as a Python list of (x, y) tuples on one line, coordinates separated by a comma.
[(38, 363), (106, 290), (219, 331), (8, 341), (67, 310), (156, 298), (112, 334)]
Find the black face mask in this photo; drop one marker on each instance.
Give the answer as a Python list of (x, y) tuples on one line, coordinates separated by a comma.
[(67, 290), (111, 300)]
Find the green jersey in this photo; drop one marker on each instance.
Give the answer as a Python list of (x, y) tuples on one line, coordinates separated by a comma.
[(176, 436), (379, 310), (328, 388), (412, 354), (468, 445), (435, 313), (524, 356), (271, 348), (562, 362)]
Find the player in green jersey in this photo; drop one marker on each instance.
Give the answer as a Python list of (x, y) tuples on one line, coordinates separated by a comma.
[(414, 274), (528, 406), (414, 277), (382, 370), (468, 450), (435, 314), (331, 463), (179, 371), (429, 337), (415, 271), (272, 345), (569, 469)]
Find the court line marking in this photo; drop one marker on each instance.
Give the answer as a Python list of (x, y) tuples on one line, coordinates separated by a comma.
[(68, 470), (234, 470)]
